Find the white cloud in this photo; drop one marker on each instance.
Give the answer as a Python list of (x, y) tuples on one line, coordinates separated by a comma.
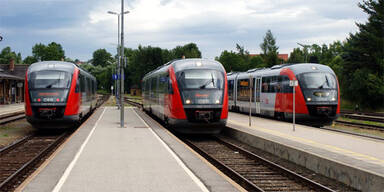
[(214, 25)]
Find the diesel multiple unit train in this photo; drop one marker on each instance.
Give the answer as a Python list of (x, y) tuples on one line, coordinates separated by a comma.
[(58, 94), (190, 95), (267, 92)]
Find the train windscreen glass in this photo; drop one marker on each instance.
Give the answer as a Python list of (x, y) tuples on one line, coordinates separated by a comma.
[(201, 79), (49, 79), (317, 81)]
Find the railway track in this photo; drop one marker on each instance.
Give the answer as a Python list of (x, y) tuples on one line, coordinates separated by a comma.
[(9, 117), (360, 125), (252, 172), (23, 156), (364, 117), (346, 112), (134, 103)]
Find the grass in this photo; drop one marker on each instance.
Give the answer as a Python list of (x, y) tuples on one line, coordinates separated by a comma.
[(361, 121), (357, 130), (13, 131)]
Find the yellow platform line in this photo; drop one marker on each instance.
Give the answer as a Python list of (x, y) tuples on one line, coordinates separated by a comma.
[(320, 145)]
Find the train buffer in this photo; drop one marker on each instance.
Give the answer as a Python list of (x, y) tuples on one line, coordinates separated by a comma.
[(142, 156)]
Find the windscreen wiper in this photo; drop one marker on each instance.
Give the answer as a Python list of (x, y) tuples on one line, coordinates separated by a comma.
[(208, 82), (50, 85)]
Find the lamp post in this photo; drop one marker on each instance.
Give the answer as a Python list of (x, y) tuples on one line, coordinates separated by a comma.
[(117, 88), (120, 67)]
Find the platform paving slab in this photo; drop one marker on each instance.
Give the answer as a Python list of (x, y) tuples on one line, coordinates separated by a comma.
[(118, 159), (11, 108), (353, 160)]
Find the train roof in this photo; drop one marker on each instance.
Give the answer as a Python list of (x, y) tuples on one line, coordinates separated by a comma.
[(56, 65), (182, 64), (297, 68)]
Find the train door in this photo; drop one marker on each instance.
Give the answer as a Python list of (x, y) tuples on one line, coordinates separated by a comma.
[(257, 94)]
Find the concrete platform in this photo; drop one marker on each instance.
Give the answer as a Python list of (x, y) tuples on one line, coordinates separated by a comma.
[(353, 160), (11, 108), (101, 156)]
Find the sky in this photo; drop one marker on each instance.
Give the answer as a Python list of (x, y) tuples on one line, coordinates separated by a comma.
[(83, 26)]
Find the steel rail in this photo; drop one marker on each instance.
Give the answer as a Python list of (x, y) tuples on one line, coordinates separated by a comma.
[(6, 183), (360, 125), (286, 171), (244, 182)]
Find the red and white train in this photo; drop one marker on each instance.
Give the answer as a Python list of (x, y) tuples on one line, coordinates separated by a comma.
[(58, 94), (190, 95), (317, 97)]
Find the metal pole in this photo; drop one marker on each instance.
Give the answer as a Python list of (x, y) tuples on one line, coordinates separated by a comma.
[(121, 66), (118, 63), (294, 106), (250, 100)]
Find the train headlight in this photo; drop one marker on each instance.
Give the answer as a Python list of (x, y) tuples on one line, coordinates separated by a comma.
[(333, 99), (217, 101), (187, 101), (309, 99)]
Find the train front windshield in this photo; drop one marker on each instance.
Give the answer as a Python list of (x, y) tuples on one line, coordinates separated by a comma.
[(317, 81), (201, 79), (49, 80), (201, 86), (49, 86)]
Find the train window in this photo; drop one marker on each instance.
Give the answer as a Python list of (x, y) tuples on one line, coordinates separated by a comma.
[(265, 84), (89, 85), (243, 90), (230, 89), (163, 83), (285, 84), (82, 84), (170, 87)]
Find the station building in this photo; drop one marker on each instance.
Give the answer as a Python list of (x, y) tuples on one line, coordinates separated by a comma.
[(12, 82)]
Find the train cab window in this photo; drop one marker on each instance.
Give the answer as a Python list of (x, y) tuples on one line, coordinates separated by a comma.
[(200, 79), (49, 79)]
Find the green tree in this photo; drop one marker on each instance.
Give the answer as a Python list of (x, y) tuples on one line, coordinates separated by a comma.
[(231, 61), (7, 55), (364, 58), (296, 56), (29, 60), (102, 57), (51, 52), (189, 51), (54, 51), (269, 50)]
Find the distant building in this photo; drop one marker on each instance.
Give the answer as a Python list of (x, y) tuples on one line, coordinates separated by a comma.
[(135, 90), (12, 83), (283, 57)]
